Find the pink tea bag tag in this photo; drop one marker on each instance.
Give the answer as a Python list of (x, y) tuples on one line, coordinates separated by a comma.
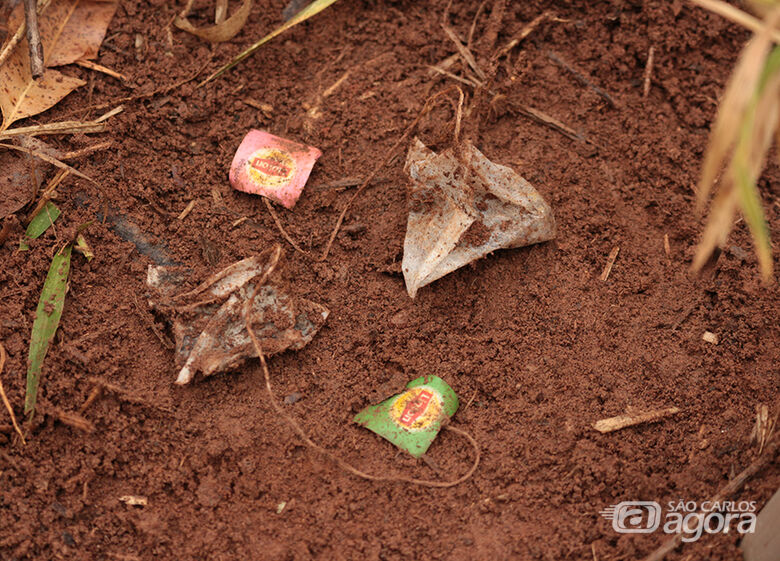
[(273, 167)]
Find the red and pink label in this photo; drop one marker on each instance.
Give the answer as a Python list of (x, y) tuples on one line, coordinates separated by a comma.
[(273, 167)]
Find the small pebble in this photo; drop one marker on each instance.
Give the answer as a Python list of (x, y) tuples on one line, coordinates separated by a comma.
[(292, 398)]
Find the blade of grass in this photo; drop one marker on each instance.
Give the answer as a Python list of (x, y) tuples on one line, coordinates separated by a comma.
[(750, 154), (731, 112), (47, 319), (40, 223), (754, 137), (312, 9)]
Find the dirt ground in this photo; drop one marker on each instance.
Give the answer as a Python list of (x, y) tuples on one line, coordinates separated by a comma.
[(544, 347)]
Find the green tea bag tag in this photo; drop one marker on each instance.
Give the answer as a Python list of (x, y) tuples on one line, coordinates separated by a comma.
[(411, 420)]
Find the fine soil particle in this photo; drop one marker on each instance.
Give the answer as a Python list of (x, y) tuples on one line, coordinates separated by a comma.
[(537, 345)]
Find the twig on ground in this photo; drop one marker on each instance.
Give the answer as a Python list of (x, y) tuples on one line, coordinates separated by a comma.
[(73, 420), (48, 159), (525, 32), (100, 68), (667, 247), (688, 311), (338, 184), (150, 323), (648, 71), (732, 487), (127, 395), (284, 233), (388, 156), (33, 38), (63, 127), (552, 122), (93, 395), (610, 262), (470, 39), (47, 193), (623, 421), (87, 150), (5, 397), (465, 53), (158, 91), (187, 210), (581, 78)]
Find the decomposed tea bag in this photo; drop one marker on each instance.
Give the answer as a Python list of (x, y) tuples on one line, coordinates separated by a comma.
[(412, 419), (273, 167)]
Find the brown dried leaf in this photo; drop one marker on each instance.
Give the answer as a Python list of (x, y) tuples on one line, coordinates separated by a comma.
[(223, 31), (84, 25), (70, 30)]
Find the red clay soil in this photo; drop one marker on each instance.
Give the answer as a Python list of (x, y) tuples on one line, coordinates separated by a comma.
[(531, 338)]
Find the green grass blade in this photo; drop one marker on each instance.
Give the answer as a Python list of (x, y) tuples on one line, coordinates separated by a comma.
[(47, 319), (746, 171), (40, 223), (310, 10), (750, 203)]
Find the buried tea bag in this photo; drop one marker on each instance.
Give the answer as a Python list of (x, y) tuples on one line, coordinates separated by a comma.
[(412, 419), (463, 209)]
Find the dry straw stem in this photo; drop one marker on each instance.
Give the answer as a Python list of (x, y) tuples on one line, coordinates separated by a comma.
[(648, 71), (100, 68), (610, 263), (735, 15), (5, 397), (48, 159), (764, 427), (63, 127), (297, 428), (623, 421)]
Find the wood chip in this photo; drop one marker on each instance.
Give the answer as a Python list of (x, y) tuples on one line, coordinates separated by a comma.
[(610, 262), (648, 71), (187, 210), (710, 337), (134, 500), (623, 421)]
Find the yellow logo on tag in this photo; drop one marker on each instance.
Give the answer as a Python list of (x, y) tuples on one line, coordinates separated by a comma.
[(416, 409), (271, 167)]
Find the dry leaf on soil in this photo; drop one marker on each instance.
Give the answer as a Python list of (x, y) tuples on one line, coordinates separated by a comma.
[(223, 30), (70, 30)]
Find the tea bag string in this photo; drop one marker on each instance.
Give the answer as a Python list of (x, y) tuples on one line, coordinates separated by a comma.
[(309, 442)]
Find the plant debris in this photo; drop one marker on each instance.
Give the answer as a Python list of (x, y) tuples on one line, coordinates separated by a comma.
[(222, 30), (460, 213), (40, 223), (70, 30), (622, 421), (47, 319), (412, 419), (209, 322)]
